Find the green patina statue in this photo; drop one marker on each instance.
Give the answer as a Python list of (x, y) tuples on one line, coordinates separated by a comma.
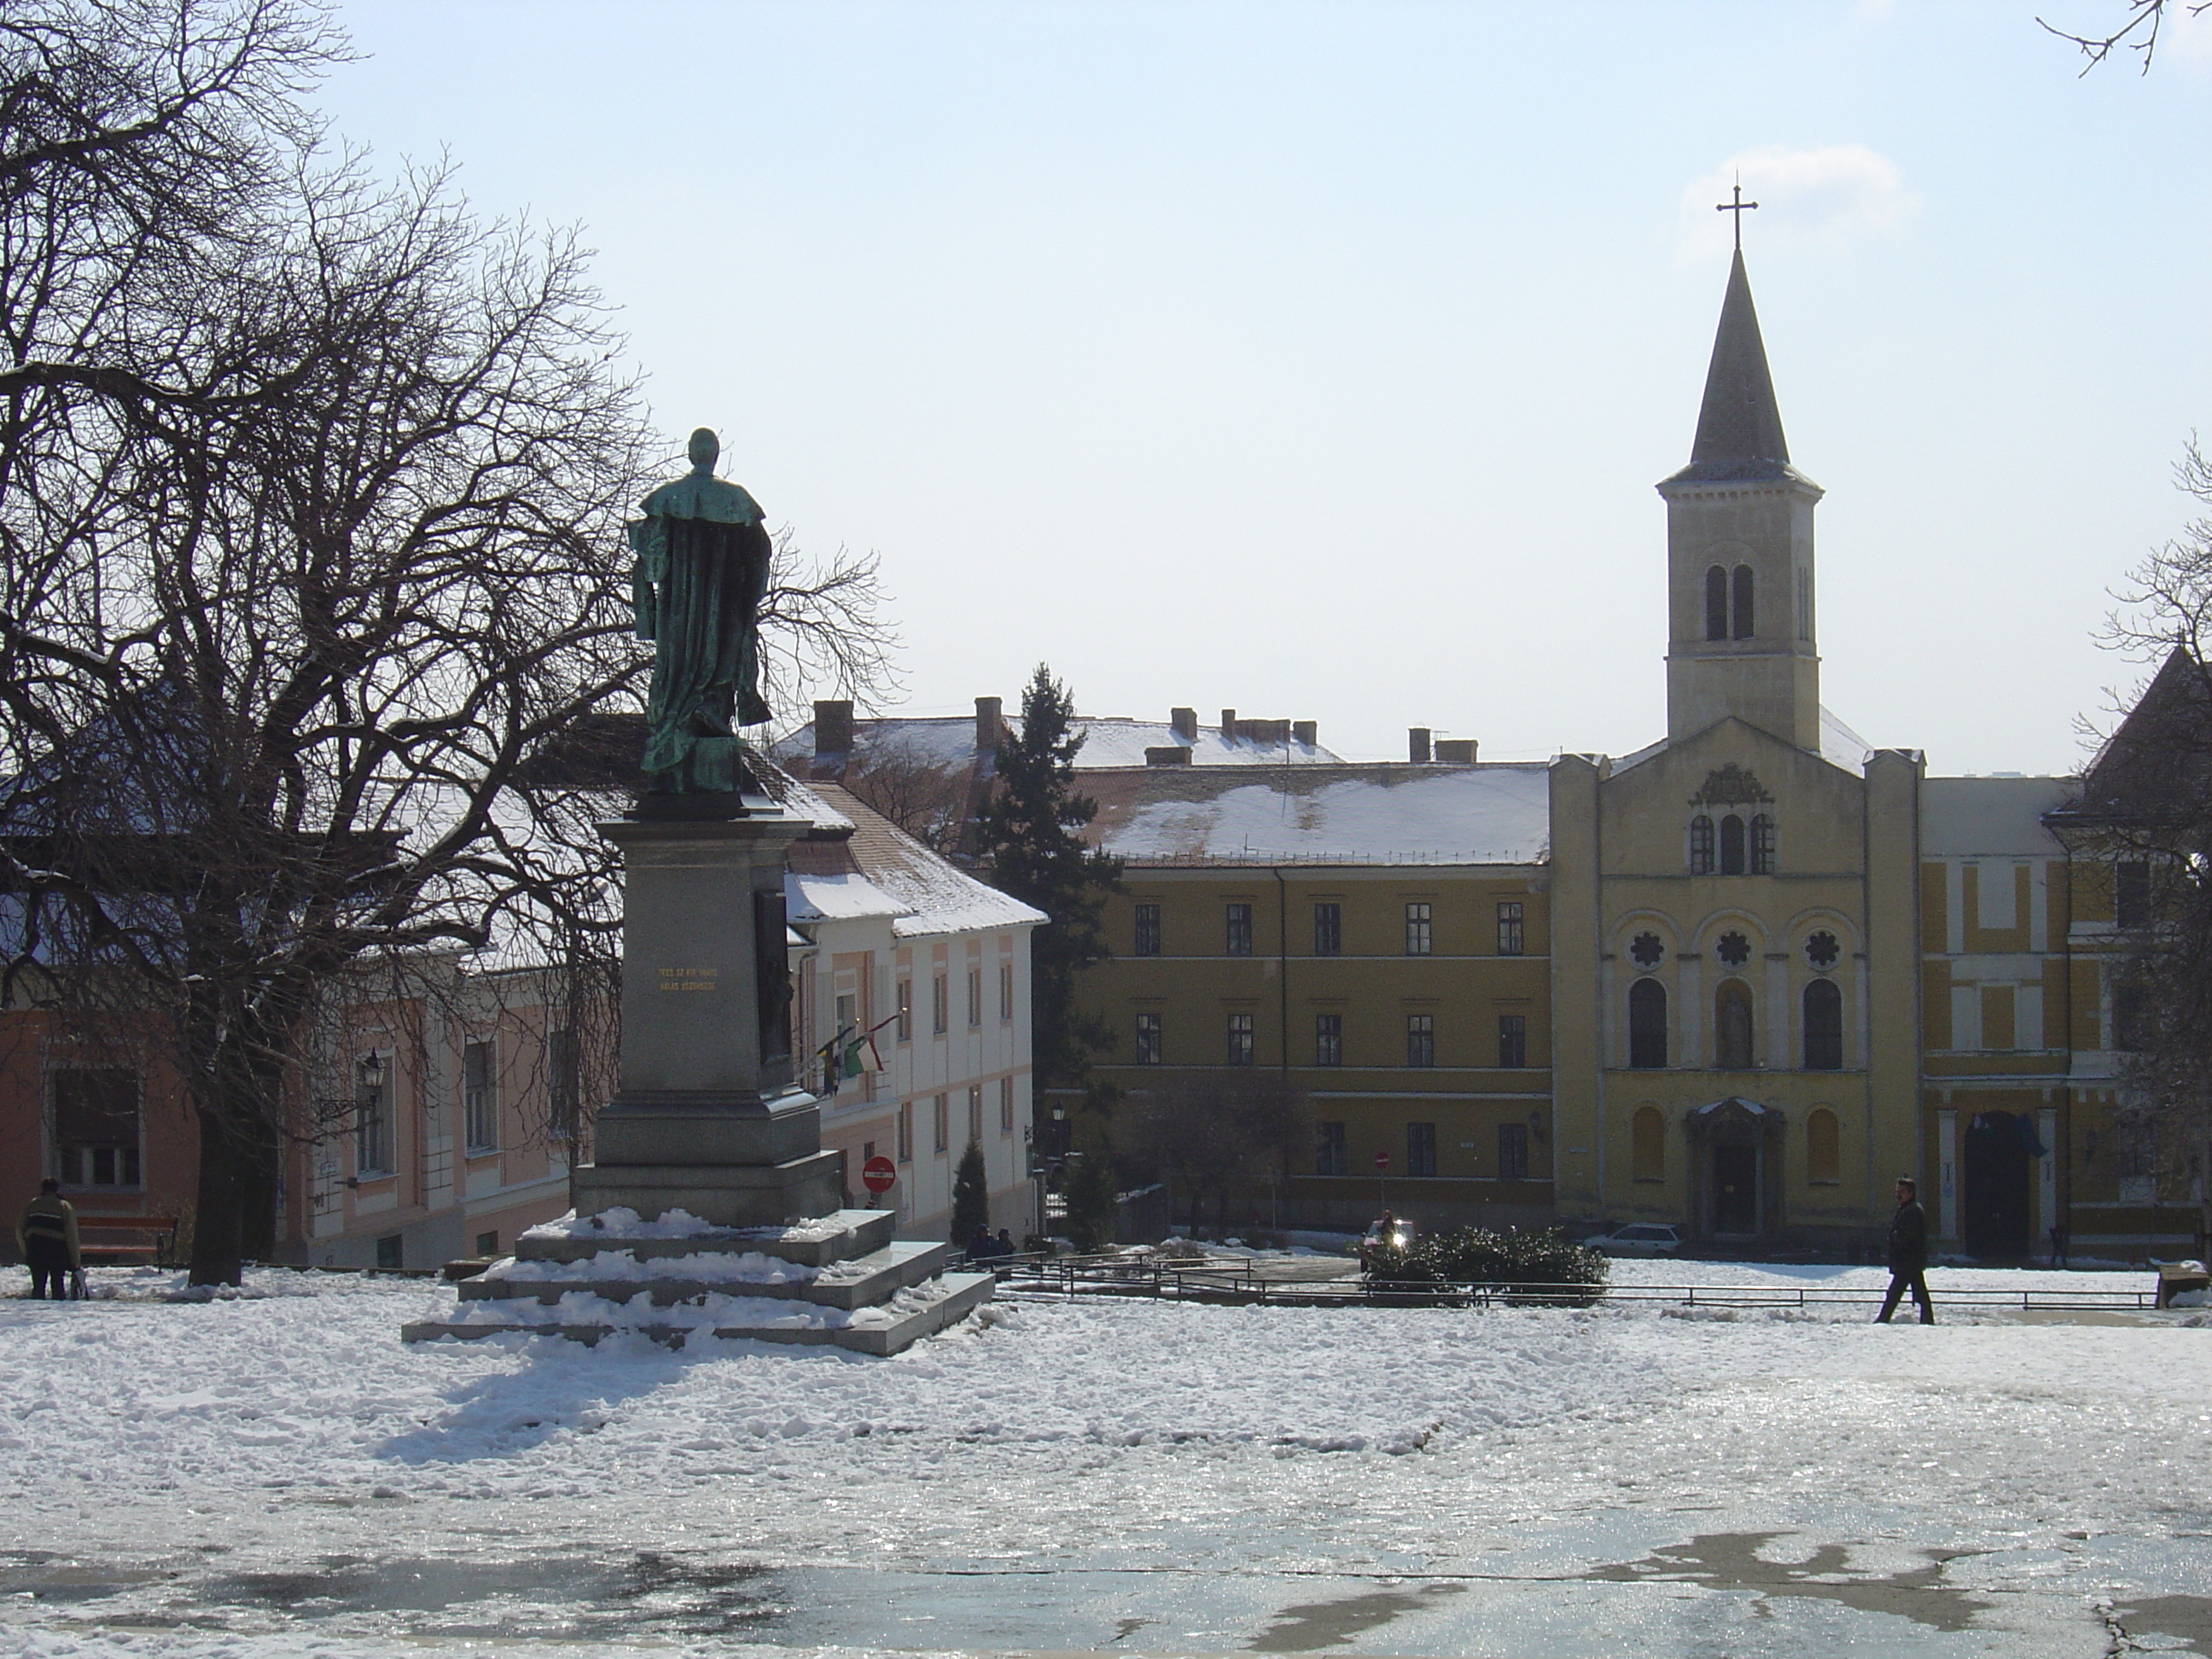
[(702, 566)]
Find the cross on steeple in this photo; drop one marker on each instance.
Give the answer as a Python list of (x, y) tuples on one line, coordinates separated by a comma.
[(1738, 207)]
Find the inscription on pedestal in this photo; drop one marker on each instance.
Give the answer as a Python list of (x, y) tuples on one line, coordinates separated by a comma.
[(688, 978)]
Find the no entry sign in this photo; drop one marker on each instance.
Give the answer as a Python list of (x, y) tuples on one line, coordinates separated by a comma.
[(877, 1174), (1382, 1162)]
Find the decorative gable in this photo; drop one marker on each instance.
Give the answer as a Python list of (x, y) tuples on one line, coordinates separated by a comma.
[(1730, 785)]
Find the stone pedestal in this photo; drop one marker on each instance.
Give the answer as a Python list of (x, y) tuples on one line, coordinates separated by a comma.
[(708, 1118)]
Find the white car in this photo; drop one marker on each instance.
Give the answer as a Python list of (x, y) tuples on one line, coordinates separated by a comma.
[(1638, 1239)]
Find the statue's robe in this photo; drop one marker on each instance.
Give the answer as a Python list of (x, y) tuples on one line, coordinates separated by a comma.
[(702, 571)]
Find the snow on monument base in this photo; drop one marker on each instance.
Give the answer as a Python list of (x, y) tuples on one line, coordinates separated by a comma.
[(840, 1280)]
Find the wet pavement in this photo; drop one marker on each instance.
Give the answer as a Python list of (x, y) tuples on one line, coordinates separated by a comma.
[(1712, 1594)]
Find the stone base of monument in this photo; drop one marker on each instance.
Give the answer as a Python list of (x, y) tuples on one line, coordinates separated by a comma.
[(840, 1280)]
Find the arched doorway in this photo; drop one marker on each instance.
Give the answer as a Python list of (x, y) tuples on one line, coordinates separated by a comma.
[(1736, 1163), (1998, 1158)]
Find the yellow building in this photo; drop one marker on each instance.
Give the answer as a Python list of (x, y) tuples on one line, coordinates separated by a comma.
[(1761, 968), (1379, 934)]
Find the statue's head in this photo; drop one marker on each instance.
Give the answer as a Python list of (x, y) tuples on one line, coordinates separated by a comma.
[(703, 450)]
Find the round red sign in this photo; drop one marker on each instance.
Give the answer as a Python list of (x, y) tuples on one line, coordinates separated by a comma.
[(879, 1174), (1382, 1160)]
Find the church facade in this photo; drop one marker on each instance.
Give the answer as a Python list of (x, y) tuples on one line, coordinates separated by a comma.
[(1778, 966), (1735, 907)]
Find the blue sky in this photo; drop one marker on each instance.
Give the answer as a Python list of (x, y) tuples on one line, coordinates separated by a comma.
[(1318, 360)]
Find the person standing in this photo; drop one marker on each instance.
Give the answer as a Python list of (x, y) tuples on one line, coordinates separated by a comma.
[(47, 1238), (1908, 1254)]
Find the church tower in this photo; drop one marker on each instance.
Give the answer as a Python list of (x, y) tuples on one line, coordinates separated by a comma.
[(1740, 553)]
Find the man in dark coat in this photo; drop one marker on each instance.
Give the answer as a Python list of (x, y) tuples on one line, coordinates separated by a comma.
[(47, 1236), (1908, 1254)]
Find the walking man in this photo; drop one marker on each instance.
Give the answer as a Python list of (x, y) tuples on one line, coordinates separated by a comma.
[(1908, 1254), (47, 1238)]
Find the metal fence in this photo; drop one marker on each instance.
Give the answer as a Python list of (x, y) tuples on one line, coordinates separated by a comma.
[(1236, 1278)]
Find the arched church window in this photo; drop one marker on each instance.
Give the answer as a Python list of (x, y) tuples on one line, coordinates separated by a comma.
[(1732, 1032), (1716, 601), (1731, 845), (1762, 845), (1647, 1024), (1701, 845), (1648, 1144), (1824, 1160), (1743, 615), (1823, 1026), (1804, 606), (1645, 951)]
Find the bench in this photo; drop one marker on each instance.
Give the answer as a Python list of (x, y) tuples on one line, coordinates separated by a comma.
[(158, 1249)]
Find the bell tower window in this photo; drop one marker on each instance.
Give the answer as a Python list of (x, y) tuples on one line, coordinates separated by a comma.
[(1716, 604), (1732, 846), (1743, 612)]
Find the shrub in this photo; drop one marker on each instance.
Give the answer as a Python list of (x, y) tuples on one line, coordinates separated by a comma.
[(1527, 1266)]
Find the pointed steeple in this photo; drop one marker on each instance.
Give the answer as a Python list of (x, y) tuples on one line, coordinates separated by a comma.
[(1740, 425)]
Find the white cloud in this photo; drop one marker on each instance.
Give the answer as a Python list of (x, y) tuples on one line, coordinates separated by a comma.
[(1833, 195), (2187, 31)]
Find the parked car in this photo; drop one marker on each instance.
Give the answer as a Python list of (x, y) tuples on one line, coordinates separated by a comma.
[(1638, 1239)]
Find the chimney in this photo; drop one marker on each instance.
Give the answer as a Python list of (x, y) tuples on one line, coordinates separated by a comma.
[(1417, 745), (989, 722), (833, 727), (1456, 751), (1307, 733), (1183, 722), (1228, 726), (1173, 754)]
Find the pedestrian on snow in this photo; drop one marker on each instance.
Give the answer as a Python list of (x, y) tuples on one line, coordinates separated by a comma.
[(1005, 1243), (982, 1247), (47, 1238), (1908, 1254)]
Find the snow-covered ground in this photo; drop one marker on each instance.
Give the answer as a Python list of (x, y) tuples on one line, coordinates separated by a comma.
[(277, 1475)]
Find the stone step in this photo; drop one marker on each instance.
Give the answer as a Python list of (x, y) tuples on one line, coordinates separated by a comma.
[(861, 1282), (837, 1237), (965, 1293)]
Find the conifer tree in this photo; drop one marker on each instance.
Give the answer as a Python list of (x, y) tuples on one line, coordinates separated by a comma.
[(1092, 1193), (971, 1196), (1029, 837)]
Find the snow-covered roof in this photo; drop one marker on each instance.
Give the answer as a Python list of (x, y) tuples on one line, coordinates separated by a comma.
[(874, 869), (1968, 818), (1840, 745), (1376, 812), (949, 742)]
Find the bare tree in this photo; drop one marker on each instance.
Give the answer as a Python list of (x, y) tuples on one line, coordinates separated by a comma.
[(926, 799), (2140, 826), (1216, 1133), (2137, 34), (822, 628)]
